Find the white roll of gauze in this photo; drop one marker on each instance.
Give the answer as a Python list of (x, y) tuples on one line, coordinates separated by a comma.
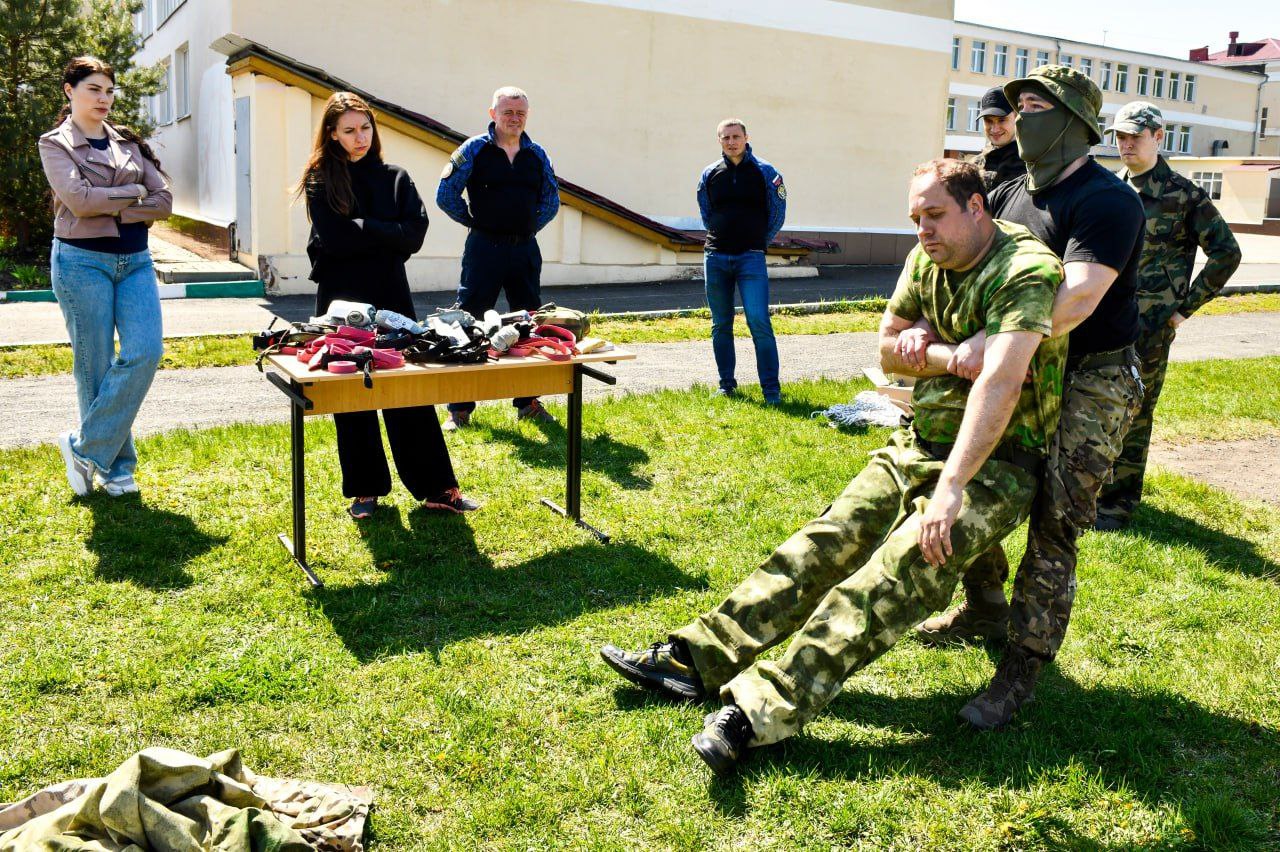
[(504, 338), (351, 313), (491, 323)]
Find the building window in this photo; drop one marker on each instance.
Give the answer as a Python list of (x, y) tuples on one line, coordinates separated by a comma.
[(1210, 182), (1144, 79), (1184, 140), (181, 86), (975, 123), (951, 113), (1189, 90), (1102, 129), (1042, 57), (978, 57), (165, 8), (1171, 138), (142, 20), (161, 102), (1086, 67), (1175, 85), (1157, 89), (1262, 124), (1066, 59), (1122, 78), (1104, 82), (955, 53), (1000, 62), (1020, 62)]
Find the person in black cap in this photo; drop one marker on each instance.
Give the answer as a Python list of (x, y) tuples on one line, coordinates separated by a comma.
[(999, 161)]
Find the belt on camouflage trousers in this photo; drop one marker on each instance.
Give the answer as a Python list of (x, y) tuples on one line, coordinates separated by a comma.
[(1126, 357), (1007, 451)]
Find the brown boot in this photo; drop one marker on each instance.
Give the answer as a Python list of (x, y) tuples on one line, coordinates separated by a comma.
[(1013, 686), (983, 615)]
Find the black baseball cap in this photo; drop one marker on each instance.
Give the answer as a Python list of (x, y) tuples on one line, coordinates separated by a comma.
[(994, 103)]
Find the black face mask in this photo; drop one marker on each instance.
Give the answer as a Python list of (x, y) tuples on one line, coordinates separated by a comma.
[(1048, 142)]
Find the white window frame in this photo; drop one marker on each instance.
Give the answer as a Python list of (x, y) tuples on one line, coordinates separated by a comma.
[(1066, 59), (162, 101), (1086, 67), (1189, 89), (1210, 182), (1122, 77), (1000, 61), (1042, 58), (978, 56), (1170, 139), (182, 82), (1262, 124), (144, 20), (1175, 86), (165, 10), (1157, 83), (955, 53), (1184, 140), (974, 124), (951, 113), (1144, 81), (1104, 78), (1020, 62)]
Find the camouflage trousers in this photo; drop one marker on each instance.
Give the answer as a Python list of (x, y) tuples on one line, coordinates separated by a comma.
[(1097, 407), (1121, 496), (847, 585)]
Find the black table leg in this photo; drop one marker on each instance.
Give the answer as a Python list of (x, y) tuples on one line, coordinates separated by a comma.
[(573, 462), (297, 546)]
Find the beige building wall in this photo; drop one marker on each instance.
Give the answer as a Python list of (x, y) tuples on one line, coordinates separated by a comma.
[(1246, 185), (626, 99), (1221, 107)]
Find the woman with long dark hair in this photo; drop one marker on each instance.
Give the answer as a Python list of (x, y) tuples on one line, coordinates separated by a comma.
[(367, 219), (107, 189)]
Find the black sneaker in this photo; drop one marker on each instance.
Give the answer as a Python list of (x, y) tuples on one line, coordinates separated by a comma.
[(723, 741), (452, 500), (663, 667), (535, 412)]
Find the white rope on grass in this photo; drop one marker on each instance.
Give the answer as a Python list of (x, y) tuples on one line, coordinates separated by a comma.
[(867, 409)]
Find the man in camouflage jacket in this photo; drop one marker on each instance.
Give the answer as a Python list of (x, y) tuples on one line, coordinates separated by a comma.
[(891, 548), (1180, 216)]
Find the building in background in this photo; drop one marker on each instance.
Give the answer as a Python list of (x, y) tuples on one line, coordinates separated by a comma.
[(1262, 58), (624, 97), (1209, 110)]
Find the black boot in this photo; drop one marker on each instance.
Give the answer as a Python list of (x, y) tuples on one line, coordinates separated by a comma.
[(723, 741)]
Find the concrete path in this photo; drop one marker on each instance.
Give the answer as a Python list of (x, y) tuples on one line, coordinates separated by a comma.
[(206, 397)]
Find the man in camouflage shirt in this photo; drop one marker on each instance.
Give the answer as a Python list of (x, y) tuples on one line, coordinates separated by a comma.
[(999, 161), (1180, 216), (892, 546)]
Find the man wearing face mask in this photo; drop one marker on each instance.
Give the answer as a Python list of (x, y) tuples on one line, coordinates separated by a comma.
[(999, 161), (1180, 217), (1094, 222)]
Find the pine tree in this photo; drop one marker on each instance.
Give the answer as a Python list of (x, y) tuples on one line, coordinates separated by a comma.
[(37, 39)]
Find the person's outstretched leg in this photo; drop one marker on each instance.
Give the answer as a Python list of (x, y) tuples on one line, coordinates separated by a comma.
[(718, 271), (753, 283)]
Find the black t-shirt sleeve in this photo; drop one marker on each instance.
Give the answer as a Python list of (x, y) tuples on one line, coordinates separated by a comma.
[(999, 196), (1104, 228)]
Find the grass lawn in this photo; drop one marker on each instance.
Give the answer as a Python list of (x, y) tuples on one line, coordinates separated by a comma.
[(451, 661), (861, 315)]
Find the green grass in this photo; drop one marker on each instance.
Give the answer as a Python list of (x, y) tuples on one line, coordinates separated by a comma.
[(835, 318), (1220, 400), (451, 661)]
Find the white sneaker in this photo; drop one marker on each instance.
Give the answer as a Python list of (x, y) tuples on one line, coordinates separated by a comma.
[(79, 472), (119, 485)]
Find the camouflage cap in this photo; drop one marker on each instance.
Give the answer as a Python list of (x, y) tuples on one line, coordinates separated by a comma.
[(1069, 87), (1136, 116)]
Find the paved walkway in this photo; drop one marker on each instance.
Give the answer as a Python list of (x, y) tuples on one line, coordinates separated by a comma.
[(181, 399)]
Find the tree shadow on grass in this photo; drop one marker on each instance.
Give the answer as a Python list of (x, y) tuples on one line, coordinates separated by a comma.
[(1218, 771), (439, 588), (140, 544), (1222, 550), (601, 452)]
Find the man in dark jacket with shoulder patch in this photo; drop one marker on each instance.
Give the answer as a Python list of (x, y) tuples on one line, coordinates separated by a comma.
[(999, 161)]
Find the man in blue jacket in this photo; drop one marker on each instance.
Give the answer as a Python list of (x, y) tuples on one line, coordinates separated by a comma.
[(743, 203), (513, 194)]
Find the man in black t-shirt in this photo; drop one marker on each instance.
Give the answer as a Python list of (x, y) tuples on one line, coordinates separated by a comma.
[(1090, 219)]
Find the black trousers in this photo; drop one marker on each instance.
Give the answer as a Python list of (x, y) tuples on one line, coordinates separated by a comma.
[(417, 445), (491, 266)]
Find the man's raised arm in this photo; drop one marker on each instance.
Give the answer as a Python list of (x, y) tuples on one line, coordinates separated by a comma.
[(1082, 289), (991, 403)]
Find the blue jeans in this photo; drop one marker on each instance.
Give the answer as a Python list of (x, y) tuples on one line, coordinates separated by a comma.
[(746, 271), (100, 293)]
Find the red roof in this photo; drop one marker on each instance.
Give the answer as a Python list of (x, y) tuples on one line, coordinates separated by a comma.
[(1250, 53)]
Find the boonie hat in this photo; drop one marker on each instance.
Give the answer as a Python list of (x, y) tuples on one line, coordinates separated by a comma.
[(1068, 87)]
